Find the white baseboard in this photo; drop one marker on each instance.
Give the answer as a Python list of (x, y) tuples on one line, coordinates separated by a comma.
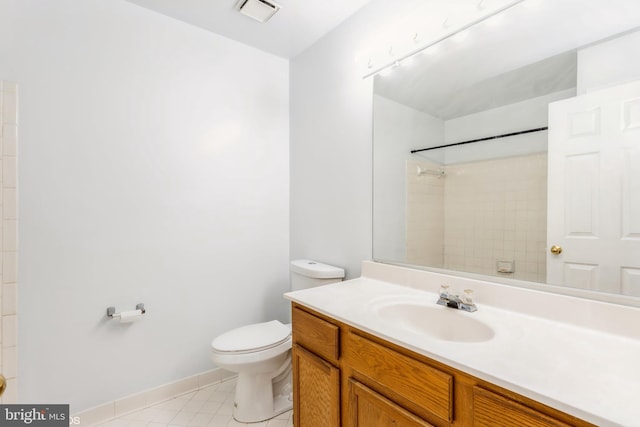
[(137, 401)]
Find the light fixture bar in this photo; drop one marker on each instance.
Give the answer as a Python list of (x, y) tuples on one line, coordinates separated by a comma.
[(448, 35)]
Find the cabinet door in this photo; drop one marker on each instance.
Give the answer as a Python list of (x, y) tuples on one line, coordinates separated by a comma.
[(369, 409), (316, 390), (490, 409), (411, 380)]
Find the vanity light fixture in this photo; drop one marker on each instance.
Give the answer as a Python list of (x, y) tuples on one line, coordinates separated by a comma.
[(460, 36), (496, 21), (390, 51), (397, 60), (407, 61)]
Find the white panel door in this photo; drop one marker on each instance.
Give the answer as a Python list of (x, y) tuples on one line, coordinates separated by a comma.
[(594, 191)]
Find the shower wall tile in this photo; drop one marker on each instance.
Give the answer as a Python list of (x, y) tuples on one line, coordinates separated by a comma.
[(8, 298), (9, 331), (9, 139), (9, 203), (9, 107), (491, 218), (8, 86), (9, 168), (425, 215), (9, 362), (9, 237), (9, 267)]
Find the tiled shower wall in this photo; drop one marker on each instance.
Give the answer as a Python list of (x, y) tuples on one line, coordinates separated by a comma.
[(425, 215), (8, 154), (495, 211)]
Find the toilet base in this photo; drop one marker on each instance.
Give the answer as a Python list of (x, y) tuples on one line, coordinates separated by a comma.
[(260, 397), (282, 404)]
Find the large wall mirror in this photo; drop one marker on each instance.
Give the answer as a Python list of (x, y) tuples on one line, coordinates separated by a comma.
[(514, 153)]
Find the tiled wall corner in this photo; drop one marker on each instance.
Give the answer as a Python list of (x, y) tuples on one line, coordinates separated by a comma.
[(488, 218), (425, 215), (9, 237)]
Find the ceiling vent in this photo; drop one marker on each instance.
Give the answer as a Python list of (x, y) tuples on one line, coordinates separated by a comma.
[(260, 10)]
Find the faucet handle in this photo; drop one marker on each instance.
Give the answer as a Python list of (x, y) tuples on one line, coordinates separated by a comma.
[(444, 291), (467, 298), (450, 299), (468, 303)]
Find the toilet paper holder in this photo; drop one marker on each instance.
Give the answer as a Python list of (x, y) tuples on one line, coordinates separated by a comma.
[(111, 311)]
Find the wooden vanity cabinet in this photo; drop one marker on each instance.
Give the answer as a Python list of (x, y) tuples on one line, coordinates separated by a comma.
[(425, 391), (317, 394), (316, 372), (343, 376), (366, 408), (491, 409)]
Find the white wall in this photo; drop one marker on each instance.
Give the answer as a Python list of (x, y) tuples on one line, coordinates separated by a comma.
[(153, 168), (397, 130), (331, 155), (529, 114), (331, 123), (331, 139), (609, 63)]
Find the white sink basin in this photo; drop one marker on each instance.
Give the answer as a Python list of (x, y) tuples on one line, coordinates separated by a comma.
[(436, 321)]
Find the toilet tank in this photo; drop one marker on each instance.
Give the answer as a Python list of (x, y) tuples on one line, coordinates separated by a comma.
[(306, 273)]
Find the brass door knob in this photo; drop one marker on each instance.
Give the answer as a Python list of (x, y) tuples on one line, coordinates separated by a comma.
[(556, 250), (3, 384)]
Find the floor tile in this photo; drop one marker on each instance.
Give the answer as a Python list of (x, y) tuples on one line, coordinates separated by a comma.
[(219, 421), (201, 419), (210, 406)]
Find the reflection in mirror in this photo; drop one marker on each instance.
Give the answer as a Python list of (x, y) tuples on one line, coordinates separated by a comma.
[(467, 177)]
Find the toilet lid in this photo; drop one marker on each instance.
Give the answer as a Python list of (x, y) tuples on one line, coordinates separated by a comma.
[(258, 336)]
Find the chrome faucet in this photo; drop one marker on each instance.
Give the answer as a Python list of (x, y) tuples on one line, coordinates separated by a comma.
[(449, 299)]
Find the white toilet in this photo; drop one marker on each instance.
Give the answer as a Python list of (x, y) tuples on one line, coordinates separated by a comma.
[(261, 353)]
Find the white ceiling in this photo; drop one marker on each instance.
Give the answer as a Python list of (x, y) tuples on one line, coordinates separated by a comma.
[(499, 65), (449, 83), (295, 27)]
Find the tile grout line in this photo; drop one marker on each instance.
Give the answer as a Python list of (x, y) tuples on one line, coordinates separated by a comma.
[(176, 411)]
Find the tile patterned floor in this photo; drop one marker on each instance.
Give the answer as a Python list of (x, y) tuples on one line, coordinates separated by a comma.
[(208, 407)]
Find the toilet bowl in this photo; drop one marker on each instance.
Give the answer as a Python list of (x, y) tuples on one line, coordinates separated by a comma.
[(261, 353), (261, 356)]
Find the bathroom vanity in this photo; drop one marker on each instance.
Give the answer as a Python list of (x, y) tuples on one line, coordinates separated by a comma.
[(378, 351), (345, 374)]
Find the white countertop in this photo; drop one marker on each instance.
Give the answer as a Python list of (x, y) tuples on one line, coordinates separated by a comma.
[(591, 374)]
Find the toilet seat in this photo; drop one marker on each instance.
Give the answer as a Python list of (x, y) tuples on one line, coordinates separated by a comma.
[(252, 338)]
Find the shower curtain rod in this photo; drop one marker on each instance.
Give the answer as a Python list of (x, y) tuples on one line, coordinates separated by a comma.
[(481, 139)]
